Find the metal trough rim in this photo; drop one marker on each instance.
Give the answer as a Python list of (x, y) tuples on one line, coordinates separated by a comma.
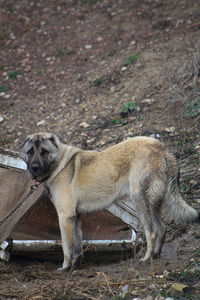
[(52, 245), (55, 245), (41, 247)]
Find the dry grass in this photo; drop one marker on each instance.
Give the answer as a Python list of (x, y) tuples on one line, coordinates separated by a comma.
[(184, 79), (184, 82), (102, 287), (183, 96)]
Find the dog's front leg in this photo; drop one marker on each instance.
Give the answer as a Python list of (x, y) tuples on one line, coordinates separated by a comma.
[(69, 223), (66, 229), (71, 239)]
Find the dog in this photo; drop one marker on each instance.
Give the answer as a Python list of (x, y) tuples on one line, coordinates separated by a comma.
[(83, 181)]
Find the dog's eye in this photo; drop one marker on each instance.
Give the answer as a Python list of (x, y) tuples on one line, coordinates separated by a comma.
[(44, 152), (30, 152)]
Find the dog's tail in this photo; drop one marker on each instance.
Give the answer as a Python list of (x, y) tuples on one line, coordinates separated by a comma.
[(176, 206)]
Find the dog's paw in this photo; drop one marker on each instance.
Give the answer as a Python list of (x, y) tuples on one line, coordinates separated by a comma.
[(145, 261), (61, 269), (156, 255)]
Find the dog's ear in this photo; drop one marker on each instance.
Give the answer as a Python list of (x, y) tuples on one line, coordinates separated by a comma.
[(23, 144), (23, 153), (54, 139)]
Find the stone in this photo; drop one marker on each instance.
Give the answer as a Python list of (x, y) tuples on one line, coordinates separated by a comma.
[(42, 122), (7, 96), (169, 129), (43, 87), (88, 46), (148, 101), (124, 69), (1, 119), (84, 125)]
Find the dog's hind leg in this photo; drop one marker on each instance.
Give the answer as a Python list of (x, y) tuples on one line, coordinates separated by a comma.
[(156, 191), (160, 230), (144, 214)]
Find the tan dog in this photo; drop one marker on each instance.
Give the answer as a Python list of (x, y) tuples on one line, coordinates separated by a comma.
[(86, 181)]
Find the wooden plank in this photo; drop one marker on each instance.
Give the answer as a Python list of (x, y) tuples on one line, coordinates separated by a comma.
[(14, 185)]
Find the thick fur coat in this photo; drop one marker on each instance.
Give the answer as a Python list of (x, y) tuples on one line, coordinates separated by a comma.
[(86, 181)]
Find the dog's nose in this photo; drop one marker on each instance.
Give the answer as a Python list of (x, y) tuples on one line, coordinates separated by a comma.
[(35, 168)]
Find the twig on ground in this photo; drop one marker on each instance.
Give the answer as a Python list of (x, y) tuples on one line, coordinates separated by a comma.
[(104, 275)]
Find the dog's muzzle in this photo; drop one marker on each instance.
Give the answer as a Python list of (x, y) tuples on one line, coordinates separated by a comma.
[(35, 169)]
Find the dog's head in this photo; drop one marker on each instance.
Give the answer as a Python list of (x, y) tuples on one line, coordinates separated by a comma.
[(41, 152)]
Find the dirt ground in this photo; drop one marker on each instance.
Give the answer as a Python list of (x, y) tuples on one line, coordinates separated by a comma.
[(96, 72)]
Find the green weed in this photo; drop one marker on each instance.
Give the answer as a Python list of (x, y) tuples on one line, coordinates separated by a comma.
[(183, 188), (2, 88), (129, 106), (131, 59), (185, 184), (198, 251), (141, 118), (64, 51), (183, 276), (89, 2), (164, 294), (97, 81), (14, 74), (39, 72), (118, 121), (9, 140), (192, 108), (126, 110), (188, 151)]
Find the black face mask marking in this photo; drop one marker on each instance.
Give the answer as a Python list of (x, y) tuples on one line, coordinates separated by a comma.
[(44, 152), (30, 152), (37, 143)]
